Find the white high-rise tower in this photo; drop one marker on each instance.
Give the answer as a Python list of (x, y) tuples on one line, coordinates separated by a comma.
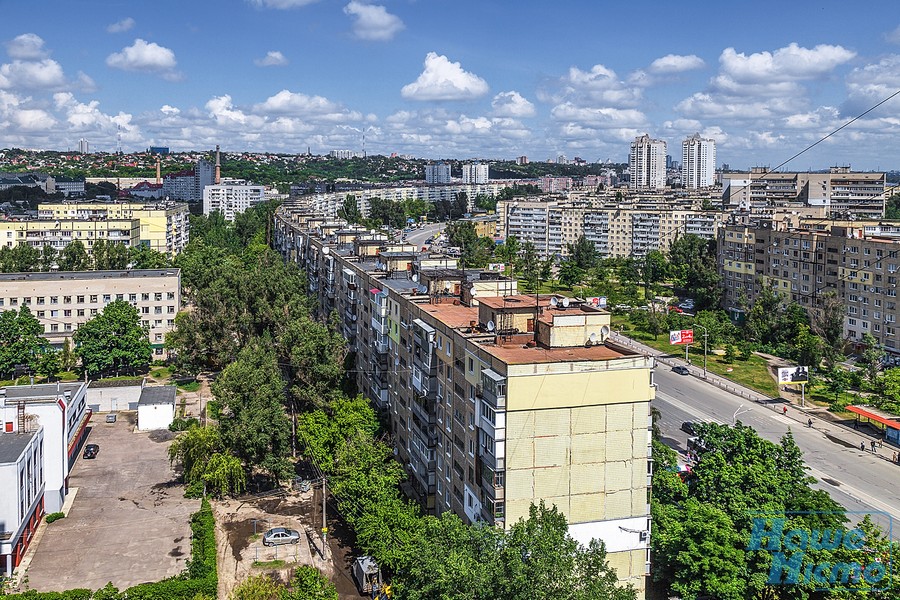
[(647, 163), (698, 162)]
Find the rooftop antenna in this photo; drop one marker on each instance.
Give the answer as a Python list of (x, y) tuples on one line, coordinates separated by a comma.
[(364, 144)]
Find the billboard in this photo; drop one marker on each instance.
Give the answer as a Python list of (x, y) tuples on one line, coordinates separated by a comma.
[(792, 375), (596, 301), (681, 336)]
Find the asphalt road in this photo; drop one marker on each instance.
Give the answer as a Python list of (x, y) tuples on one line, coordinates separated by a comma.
[(860, 481), (418, 236)]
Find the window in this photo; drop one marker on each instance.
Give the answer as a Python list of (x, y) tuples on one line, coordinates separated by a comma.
[(132, 297), (93, 298), (107, 297), (170, 310), (67, 299), (157, 310), (40, 314), (67, 313), (40, 300), (80, 312), (157, 296), (13, 301), (54, 299), (170, 295), (79, 299), (54, 313), (54, 327), (145, 310), (145, 297)]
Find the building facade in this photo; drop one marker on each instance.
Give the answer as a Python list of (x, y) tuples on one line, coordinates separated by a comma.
[(475, 173), (188, 185), (62, 301), (495, 400), (22, 500), (647, 163), (698, 162), (60, 233), (437, 173), (232, 197)]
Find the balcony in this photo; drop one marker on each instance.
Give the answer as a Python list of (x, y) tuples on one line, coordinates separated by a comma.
[(380, 325), (380, 345)]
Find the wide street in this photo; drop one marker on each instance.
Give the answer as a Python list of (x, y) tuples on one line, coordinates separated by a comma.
[(858, 480), (418, 236)]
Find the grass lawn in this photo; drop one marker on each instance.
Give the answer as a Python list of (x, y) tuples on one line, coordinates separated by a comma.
[(161, 373), (269, 564), (190, 386)]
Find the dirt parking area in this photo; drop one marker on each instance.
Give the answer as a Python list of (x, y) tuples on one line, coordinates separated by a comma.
[(129, 523)]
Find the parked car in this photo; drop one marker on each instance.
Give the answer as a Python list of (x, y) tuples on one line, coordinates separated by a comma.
[(688, 427), (281, 535), (111, 418), (687, 304), (90, 451), (681, 370)]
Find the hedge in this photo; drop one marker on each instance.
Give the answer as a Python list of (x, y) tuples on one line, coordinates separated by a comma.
[(199, 577)]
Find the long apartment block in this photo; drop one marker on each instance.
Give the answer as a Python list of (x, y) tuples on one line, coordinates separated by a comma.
[(62, 301), (495, 399), (805, 259)]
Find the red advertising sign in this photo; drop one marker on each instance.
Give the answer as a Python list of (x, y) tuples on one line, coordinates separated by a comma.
[(681, 337)]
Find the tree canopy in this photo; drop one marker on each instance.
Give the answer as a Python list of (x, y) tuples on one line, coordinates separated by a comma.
[(113, 341)]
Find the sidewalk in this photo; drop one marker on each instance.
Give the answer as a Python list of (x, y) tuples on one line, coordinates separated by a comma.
[(838, 431)]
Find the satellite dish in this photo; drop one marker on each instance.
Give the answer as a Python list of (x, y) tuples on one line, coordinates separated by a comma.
[(423, 289), (473, 291), (604, 331), (326, 250), (565, 303), (593, 338), (554, 302), (447, 288), (490, 325), (415, 277), (396, 361)]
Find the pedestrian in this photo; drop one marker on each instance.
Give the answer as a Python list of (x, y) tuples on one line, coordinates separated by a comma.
[(862, 446), (894, 457), (784, 410), (873, 445), (809, 423)]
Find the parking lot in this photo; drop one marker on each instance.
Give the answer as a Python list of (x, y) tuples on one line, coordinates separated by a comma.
[(129, 523)]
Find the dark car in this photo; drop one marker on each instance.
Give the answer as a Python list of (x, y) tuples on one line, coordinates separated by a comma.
[(90, 451), (688, 427), (681, 370), (281, 535)]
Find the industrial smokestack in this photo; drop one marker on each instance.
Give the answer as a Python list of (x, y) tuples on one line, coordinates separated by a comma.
[(158, 174), (218, 167)]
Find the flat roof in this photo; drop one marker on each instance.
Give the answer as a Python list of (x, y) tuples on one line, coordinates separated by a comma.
[(157, 394), (516, 301), (451, 315), (42, 391), (85, 275), (517, 354), (13, 444)]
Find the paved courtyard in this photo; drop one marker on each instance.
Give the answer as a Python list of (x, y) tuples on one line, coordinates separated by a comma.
[(129, 523)]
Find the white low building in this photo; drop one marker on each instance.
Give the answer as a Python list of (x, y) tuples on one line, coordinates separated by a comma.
[(22, 500), (156, 408)]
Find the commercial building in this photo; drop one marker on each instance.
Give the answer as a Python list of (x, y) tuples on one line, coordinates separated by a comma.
[(22, 500), (232, 197), (840, 191), (698, 162), (475, 173), (807, 260), (647, 163), (64, 300), (437, 173), (163, 226), (495, 400), (60, 412)]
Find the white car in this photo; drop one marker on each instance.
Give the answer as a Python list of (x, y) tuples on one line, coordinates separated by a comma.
[(281, 535)]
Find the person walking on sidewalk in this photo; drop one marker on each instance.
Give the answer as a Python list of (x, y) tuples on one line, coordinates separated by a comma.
[(873, 445), (862, 446), (784, 410)]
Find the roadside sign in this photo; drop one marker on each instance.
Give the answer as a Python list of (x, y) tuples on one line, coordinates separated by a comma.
[(681, 337)]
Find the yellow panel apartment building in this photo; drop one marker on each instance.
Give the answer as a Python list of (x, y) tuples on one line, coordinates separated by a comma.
[(62, 232), (495, 400)]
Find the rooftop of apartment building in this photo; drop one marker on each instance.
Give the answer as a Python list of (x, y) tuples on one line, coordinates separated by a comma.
[(42, 392), (85, 275), (13, 444)]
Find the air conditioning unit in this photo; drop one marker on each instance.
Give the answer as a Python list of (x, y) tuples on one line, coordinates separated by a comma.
[(645, 536)]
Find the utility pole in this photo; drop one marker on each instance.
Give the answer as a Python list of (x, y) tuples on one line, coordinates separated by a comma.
[(324, 522), (705, 337)]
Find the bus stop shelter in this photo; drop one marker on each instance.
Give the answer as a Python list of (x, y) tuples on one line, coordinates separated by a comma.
[(890, 423)]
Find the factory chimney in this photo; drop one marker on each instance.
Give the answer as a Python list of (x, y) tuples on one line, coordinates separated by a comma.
[(158, 175), (218, 167)]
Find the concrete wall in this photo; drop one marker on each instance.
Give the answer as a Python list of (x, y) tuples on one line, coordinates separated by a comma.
[(112, 399), (155, 416)]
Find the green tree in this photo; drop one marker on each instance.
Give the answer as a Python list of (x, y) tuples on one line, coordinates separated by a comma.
[(828, 323), (145, 257), (20, 340), (253, 423), (48, 257), (583, 253), (693, 266), (74, 257), (308, 583), (872, 357), (258, 587), (531, 266), (47, 363), (113, 341), (67, 356), (808, 347), (349, 210)]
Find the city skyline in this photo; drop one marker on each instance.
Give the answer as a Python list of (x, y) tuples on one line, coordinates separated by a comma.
[(452, 80)]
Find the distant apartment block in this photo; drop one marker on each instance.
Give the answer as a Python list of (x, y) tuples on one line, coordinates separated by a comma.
[(188, 185), (60, 233), (163, 226), (22, 500), (345, 154), (556, 185), (521, 160), (841, 191), (495, 400), (437, 173), (647, 163), (83, 146), (232, 197), (64, 300), (475, 173), (698, 162)]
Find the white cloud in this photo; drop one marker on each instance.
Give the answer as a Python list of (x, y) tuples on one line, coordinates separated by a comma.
[(281, 4), (675, 63), (290, 103), (373, 22), (144, 56), (600, 85), (120, 26), (169, 110), (791, 63), (42, 74), (444, 80), (893, 37), (512, 104), (273, 58), (28, 46)]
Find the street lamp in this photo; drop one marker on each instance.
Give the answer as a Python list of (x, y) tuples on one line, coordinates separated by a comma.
[(705, 336), (738, 412)]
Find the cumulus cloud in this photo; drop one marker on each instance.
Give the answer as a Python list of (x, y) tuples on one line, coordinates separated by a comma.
[(373, 22), (444, 80), (29, 75), (291, 103), (893, 37), (144, 56), (28, 46), (169, 110), (273, 58), (599, 85), (280, 4), (791, 63), (869, 84), (512, 104), (120, 26), (675, 63)]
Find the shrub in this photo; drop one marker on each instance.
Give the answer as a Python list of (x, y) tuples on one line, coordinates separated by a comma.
[(194, 489), (55, 516), (183, 423)]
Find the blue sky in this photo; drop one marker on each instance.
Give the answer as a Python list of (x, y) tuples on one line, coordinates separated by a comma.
[(455, 78)]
